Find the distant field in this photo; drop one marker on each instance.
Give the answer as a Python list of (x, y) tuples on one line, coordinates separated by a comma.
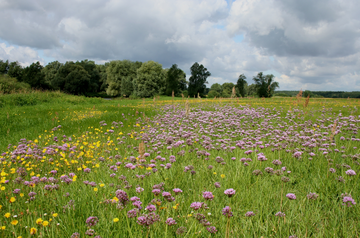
[(245, 167)]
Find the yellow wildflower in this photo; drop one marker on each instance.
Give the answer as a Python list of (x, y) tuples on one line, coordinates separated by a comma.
[(12, 199), (95, 189), (222, 176), (45, 223), (14, 222), (55, 215), (7, 215), (116, 219), (39, 221), (33, 231)]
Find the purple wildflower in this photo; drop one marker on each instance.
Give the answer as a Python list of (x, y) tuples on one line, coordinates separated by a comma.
[(250, 214), (91, 221), (291, 196), (211, 229), (170, 221), (230, 192), (177, 191), (350, 172), (226, 211), (208, 195)]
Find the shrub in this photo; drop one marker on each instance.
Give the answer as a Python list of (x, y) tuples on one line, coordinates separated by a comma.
[(11, 85)]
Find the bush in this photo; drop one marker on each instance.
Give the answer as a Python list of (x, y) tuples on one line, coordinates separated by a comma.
[(212, 94), (282, 95), (11, 85)]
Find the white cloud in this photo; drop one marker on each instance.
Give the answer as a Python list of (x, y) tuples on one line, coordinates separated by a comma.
[(311, 43)]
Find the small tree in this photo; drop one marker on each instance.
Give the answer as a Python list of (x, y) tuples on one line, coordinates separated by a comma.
[(150, 79), (34, 76), (197, 80), (175, 78), (265, 85), (241, 84)]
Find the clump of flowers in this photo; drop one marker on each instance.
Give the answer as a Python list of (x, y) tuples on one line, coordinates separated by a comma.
[(226, 211), (198, 205), (211, 229), (280, 214), (250, 214), (181, 230), (350, 172), (148, 219), (230, 192), (170, 221), (312, 196), (208, 195), (348, 200), (92, 221), (291, 196)]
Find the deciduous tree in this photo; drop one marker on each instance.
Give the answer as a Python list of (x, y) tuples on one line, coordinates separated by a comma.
[(197, 80)]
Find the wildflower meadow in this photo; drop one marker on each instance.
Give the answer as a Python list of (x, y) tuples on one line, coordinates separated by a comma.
[(165, 167)]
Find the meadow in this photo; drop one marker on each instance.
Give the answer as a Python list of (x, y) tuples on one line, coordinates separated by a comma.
[(246, 167)]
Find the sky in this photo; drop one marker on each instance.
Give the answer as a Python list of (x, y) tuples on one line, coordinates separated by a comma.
[(307, 44)]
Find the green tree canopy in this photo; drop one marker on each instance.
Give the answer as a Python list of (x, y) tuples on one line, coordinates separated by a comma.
[(15, 70), (227, 89), (34, 76), (72, 78), (241, 85), (118, 71), (197, 80), (175, 80), (265, 85), (50, 71), (93, 71), (150, 79), (217, 88)]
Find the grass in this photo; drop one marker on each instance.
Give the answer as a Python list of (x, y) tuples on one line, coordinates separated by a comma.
[(105, 149)]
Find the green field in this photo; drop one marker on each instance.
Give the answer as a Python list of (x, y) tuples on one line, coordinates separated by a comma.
[(268, 150)]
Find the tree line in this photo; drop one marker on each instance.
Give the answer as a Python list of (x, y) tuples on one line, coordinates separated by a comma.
[(127, 79)]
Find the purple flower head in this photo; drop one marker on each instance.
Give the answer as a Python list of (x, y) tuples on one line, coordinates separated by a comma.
[(75, 235), (196, 205), (226, 211), (137, 204), (122, 196), (146, 154), (170, 221), (211, 229), (87, 170), (332, 170), (177, 191), (16, 191), (250, 214), (134, 199), (277, 162), (151, 208), (148, 219), (156, 191), (208, 195), (53, 172), (132, 213), (348, 201), (91, 221), (350, 172), (139, 189), (166, 194), (280, 214), (217, 185), (230, 192), (291, 196), (312, 196)]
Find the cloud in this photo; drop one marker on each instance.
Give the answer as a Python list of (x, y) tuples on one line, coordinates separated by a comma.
[(306, 42), (24, 55)]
